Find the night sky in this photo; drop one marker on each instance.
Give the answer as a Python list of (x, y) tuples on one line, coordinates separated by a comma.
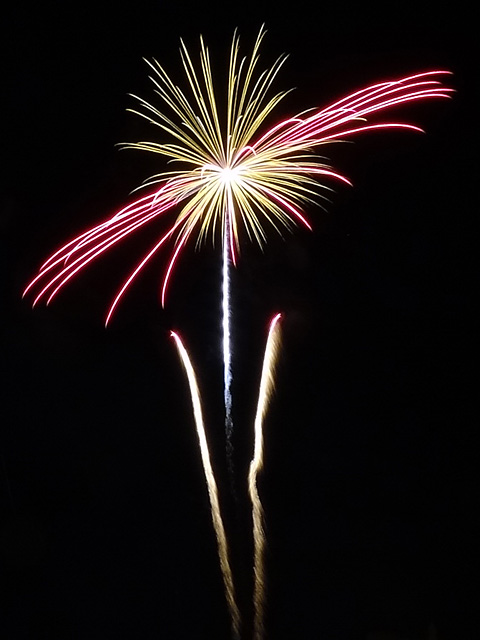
[(371, 466)]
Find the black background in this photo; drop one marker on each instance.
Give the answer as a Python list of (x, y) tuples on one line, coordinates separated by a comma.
[(371, 463)]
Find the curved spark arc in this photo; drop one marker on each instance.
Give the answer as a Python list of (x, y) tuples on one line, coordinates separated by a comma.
[(222, 545), (266, 388), (137, 270)]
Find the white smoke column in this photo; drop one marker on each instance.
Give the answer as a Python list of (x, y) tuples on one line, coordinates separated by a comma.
[(212, 489), (266, 388)]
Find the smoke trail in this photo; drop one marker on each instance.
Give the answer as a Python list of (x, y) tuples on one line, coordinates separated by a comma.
[(212, 489), (259, 541)]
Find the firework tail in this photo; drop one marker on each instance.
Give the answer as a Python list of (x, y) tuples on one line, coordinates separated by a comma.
[(256, 465), (222, 545), (227, 356)]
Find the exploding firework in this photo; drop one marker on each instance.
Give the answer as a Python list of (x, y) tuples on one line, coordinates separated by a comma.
[(234, 176), (237, 179)]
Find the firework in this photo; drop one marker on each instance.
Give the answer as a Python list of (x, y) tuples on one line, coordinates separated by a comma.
[(211, 486), (235, 178), (256, 465)]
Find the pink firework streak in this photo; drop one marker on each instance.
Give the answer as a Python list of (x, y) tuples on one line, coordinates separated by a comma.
[(244, 188)]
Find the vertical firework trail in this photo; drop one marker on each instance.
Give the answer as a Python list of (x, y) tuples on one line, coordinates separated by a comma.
[(267, 382), (212, 489), (227, 356)]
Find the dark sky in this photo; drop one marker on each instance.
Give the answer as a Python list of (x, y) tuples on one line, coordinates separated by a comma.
[(371, 463)]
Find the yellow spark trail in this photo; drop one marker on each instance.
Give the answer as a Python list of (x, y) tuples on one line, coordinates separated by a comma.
[(266, 388), (212, 489)]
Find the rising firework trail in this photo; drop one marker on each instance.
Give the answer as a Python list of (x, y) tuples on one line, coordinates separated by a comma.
[(212, 489), (267, 382), (227, 354)]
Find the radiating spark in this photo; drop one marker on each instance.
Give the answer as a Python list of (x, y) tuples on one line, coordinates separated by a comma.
[(233, 178), (212, 488), (266, 388)]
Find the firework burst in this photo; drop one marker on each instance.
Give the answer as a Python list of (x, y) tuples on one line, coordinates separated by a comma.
[(235, 179)]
